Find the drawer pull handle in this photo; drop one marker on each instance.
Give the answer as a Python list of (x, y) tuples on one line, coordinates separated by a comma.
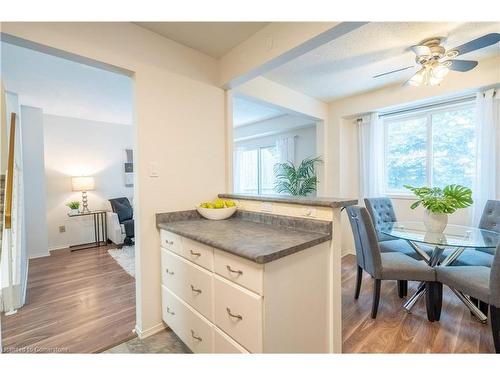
[(195, 290), (195, 337), (170, 312), (169, 242), (239, 272), (239, 317), (169, 272), (195, 254)]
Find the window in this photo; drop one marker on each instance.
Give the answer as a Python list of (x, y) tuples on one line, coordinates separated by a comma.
[(254, 170), (434, 148)]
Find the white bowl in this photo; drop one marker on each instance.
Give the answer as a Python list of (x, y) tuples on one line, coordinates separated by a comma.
[(216, 213)]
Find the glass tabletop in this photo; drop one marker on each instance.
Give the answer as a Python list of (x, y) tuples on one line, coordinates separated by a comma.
[(453, 235)]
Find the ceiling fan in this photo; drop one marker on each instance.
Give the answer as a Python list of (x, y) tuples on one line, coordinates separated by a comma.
[(435, 61)]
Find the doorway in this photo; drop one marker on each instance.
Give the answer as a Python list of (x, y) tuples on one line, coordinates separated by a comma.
[(73, 254)]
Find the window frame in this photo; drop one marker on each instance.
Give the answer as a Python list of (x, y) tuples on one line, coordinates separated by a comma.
[(408, 115)]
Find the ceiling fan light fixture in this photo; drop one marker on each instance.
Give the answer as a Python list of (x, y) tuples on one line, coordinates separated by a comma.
[(418, 78), (439, 72), (434, 81)]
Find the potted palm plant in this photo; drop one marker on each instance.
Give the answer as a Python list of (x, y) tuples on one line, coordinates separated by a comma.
[(294, 180), (439, 203)]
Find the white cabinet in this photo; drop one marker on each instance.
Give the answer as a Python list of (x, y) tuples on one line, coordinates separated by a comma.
[(239, 270), (238, 312), (194, 330), (217, 302), (189, 282)]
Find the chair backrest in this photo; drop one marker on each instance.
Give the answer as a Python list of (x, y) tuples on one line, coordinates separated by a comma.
[(381, 211), (495, 279), (490, 219), (365, 240)]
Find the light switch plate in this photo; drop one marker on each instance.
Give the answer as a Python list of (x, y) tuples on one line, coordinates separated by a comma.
[(153, 169)]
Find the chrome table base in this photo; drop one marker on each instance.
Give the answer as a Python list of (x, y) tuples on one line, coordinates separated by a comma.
[(433, 260)]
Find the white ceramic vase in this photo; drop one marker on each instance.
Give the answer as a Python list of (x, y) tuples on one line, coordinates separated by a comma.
[(74, 211), (435, 223)]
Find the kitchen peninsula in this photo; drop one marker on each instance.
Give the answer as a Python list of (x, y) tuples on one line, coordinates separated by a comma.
[(266, 280)]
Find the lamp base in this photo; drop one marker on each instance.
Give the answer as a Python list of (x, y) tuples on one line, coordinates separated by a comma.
[(85, 207)]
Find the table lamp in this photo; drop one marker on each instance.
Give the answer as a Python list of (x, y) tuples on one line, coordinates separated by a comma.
[(83, 184)]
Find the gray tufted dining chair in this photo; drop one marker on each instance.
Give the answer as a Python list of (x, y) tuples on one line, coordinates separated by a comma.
[(381, 212), (490, 220), (384, 266), (480, 282)]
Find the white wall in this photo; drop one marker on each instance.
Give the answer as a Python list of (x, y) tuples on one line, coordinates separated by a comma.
[(305, 143), (35, 207), (179, 126), (342, 137), (75, 147)]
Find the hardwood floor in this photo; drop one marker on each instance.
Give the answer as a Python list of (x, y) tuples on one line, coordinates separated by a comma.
[(395, 331), (77, 302)]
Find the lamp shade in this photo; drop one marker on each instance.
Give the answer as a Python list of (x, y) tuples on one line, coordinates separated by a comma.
[(83, 183)]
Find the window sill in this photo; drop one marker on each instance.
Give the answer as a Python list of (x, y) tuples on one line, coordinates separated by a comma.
[(409, 197)]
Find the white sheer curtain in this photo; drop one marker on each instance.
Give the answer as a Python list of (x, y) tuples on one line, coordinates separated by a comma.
[(285, 149), (486, 183), (371, 156), (237, 160)]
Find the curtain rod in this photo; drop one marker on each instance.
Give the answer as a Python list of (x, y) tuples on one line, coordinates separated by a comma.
[(423, 107)]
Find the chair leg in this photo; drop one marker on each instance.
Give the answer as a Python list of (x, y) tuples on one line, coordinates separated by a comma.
[(495, 326), (402, 288), (376, 297), (438, 300), (359, 278), (430, 301)]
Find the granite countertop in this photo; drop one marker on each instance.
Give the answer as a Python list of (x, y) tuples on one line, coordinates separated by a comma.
[(306, 201), (258, 237)]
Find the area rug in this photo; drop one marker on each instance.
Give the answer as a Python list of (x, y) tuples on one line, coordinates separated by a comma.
[(125, 257)]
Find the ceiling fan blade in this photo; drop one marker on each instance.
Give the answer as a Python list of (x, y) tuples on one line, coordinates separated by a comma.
[(484, 41), (463, 65), (393, 71), (421, 50)]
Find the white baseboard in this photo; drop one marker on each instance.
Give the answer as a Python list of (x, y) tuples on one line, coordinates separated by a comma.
[(150, 331)]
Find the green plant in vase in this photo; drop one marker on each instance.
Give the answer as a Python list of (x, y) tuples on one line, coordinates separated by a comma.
[(439, 203), (300, 180), (74, 206)]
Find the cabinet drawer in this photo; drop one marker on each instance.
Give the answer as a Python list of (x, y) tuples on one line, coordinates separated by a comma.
[(241, 271), (198, 253), (171, 241), (225, 344), (238, 312), (189, 282), (194, 330)]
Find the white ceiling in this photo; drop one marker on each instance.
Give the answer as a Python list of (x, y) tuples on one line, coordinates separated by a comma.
[(66, 88), (247, 111), (345, 66), (212, 38)]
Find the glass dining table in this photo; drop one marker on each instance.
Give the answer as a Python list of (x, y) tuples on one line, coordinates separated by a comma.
[(455, 239)]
